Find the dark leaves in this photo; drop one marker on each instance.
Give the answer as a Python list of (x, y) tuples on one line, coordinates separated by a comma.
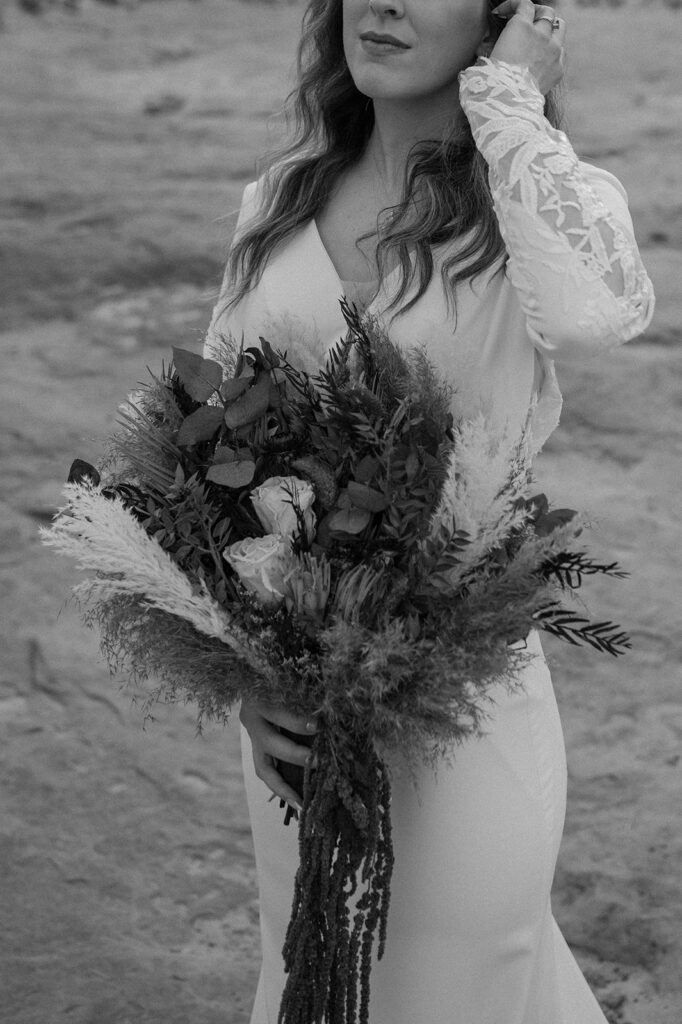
[(551, 521), (200, 425), (544, 519), (567, 568), (365, 497), (576, 629), (232, 389), (81, 471), (199, 377), (251, 405), (232, 474)]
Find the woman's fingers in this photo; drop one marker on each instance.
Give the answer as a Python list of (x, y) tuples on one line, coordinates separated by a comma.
[(280, 717), (524, 9), (534, 44), (269, 746), (283, 748), (266, 737), (267, 773)]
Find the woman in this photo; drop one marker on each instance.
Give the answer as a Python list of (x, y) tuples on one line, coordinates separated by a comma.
[(434, 188)]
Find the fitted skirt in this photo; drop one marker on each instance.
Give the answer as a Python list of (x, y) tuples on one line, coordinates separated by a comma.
[(471, 938)]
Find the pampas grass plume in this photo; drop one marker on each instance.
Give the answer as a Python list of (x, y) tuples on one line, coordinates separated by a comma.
[(106, 539)]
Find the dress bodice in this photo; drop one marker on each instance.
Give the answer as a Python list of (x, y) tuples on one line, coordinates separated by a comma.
[(570, 285), (360, 293)]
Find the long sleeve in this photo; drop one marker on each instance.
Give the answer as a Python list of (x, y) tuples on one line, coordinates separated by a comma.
[(573, 258)]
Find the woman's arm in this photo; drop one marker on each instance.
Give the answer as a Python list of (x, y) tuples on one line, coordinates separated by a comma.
[(573, 258)]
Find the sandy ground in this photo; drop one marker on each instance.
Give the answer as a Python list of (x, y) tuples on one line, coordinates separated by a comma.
[(127, 885)]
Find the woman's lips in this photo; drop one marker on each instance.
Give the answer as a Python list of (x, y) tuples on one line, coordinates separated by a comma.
[(379, 42)]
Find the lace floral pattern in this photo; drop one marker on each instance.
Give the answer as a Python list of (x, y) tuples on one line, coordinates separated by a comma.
[(573, 261)]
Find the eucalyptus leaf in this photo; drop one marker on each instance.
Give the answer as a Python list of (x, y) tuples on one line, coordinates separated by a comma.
[(550, 521), (538, 505), (251, 405), (224, 453), (366, 469), (271, 357), (258, 359), (347, 517), (80, 471), (234, 388), (199, 377), (200, 425), (349, 520), (275, 399), (232, 474), (366, 497)]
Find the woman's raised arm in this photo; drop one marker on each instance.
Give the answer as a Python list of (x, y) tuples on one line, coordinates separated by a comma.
[(573, 258)]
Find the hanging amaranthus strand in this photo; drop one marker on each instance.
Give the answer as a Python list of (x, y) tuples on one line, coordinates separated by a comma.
[(344, 840)]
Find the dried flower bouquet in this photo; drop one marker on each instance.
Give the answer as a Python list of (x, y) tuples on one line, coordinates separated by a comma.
[(336, 545)]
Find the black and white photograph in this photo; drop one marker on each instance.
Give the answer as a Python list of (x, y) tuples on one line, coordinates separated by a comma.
[(340, 553)]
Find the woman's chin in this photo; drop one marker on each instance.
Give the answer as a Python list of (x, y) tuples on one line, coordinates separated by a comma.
[(381, 87)]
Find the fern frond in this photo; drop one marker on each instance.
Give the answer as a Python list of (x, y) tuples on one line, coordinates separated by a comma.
[(567, 568), (576, 629)]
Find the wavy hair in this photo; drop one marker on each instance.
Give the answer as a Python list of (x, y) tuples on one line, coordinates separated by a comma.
[(446, 193)]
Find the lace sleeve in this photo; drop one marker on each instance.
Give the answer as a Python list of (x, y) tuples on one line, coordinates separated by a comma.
[(573, 258)]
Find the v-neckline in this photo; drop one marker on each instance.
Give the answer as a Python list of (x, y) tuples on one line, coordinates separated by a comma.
[(323, 248)]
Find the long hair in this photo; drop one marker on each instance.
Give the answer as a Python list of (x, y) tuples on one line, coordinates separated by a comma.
[(446, 193)]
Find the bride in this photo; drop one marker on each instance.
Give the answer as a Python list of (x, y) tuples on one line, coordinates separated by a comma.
[(428, 181)]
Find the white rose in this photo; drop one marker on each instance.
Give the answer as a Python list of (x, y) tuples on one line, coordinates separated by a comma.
[(262, 564), (272, 503)]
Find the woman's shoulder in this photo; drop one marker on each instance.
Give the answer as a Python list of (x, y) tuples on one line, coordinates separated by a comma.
[(252, 197), (595, 173), (612, 193), (608, 187), (259, 190), (251, 191)]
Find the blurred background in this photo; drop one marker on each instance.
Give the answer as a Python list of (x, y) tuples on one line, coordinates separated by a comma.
[(127, 882)]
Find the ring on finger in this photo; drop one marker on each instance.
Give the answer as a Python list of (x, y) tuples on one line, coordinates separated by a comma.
[(546, 13), (555, 22)]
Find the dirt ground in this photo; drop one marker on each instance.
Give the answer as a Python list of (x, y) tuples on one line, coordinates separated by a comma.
[(127, 882)]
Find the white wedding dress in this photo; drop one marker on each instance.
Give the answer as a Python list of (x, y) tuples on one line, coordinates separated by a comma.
[(471, 937)]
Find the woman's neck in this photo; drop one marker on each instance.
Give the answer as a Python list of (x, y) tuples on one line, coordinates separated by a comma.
[(398, 126)]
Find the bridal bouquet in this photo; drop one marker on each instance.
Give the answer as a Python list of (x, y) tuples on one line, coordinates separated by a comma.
[(336, 545)]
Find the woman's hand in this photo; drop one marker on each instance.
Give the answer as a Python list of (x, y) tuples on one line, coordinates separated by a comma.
[(269, 745), (536, 45)]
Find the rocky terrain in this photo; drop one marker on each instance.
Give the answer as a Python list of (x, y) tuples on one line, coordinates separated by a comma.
[(128, 887)]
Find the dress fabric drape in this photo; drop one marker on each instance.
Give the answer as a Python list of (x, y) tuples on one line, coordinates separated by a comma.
[(471, 937)]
